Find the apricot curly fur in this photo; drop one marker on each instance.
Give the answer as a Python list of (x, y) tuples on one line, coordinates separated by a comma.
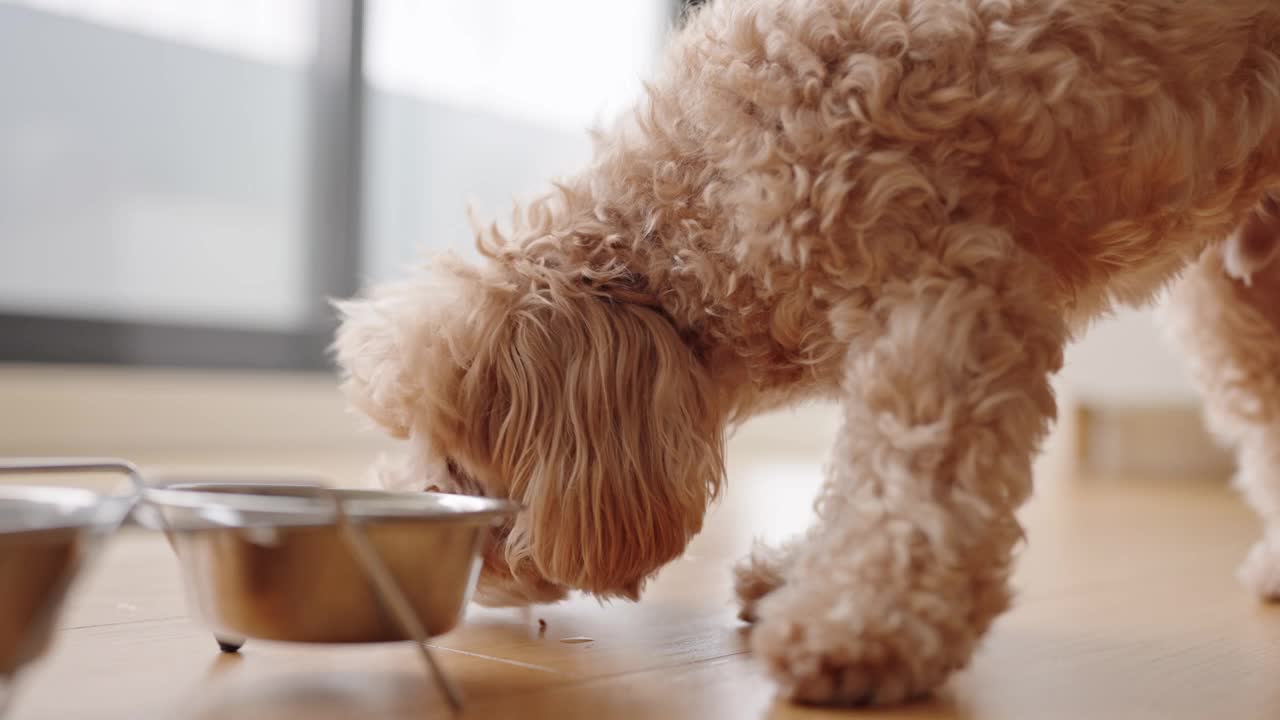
[(908, 205)]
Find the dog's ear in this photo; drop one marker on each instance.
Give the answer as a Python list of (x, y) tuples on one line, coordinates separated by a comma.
[(605, 426)]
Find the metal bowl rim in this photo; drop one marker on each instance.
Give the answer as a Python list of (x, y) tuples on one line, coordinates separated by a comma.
[(77, 508), (359, 504)]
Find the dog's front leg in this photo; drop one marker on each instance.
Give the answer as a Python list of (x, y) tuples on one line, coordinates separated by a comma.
[(908, 562)]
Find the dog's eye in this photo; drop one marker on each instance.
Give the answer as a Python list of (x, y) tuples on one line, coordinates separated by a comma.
[(459, 475), (454, 472), (462, 479)]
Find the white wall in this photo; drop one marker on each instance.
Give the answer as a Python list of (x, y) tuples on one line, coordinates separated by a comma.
[(1126, 361)]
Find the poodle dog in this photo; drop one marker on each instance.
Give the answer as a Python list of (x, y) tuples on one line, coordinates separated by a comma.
[(908, 205)]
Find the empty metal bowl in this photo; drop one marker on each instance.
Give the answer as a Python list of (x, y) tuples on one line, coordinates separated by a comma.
[(306, 563), (273, 561), (47, 534)]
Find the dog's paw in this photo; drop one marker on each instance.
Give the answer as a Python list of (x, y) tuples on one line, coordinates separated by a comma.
[(1260, 571), (757, 575), (826, 652)]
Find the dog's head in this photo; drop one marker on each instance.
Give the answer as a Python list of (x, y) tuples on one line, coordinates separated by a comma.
[(514, 379)]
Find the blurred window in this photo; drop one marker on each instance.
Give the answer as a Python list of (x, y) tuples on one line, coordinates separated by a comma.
[(185, 182), (485, 102), (152, 160)]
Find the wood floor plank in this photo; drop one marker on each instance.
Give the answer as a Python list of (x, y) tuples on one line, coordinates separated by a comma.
[(172, 669)]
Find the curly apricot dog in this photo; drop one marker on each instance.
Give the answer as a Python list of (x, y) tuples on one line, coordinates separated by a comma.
[(909, 205)]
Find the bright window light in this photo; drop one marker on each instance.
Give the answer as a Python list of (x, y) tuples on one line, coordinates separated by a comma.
[(273, 31), (558, 63)]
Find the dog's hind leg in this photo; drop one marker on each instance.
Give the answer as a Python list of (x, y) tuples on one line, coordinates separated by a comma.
[(944, 409), (1229, 325)]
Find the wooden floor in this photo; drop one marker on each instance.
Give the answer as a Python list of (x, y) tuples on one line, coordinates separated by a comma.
[(1128, 609)]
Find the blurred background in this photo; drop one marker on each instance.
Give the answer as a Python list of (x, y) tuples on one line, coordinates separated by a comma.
[(183, 184)]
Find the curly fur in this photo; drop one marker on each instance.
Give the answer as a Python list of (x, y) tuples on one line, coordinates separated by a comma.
[(910, 205)]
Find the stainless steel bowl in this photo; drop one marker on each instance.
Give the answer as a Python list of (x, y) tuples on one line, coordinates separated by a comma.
[(295, 562), (306, 563), (47, 534), (276, 562)]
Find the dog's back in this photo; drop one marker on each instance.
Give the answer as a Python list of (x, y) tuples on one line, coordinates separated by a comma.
[(1112, 137)]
